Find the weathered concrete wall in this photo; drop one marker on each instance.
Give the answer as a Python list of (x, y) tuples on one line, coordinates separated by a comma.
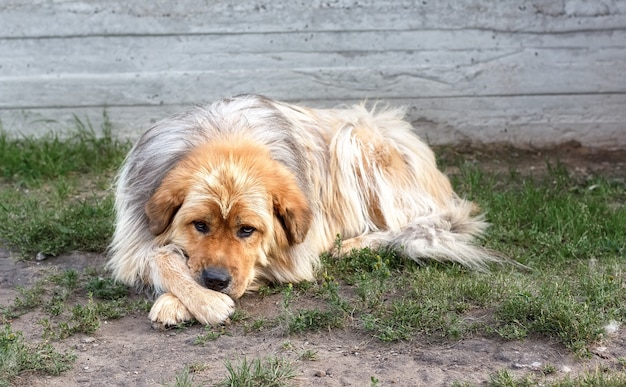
[(526, 72)]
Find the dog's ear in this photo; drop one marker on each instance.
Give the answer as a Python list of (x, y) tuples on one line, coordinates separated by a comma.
[(292, 209), (165, 202)]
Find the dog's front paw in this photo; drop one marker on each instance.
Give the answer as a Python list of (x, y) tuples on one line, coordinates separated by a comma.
[(210, 307), (168, 311)]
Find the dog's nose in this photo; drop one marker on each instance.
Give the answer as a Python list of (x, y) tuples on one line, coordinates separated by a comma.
[(215, 279)]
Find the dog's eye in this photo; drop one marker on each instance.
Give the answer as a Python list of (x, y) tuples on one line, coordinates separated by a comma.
[(245, 231), (201, 227)]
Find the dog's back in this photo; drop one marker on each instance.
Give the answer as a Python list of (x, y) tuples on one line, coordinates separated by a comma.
[(383, 188)]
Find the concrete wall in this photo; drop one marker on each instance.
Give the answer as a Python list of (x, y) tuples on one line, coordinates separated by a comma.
[(525, 72)]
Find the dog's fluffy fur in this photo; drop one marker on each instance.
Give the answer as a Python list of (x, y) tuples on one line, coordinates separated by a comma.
[(248, 190)]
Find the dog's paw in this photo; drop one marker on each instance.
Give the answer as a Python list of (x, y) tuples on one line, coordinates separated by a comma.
[(168, 311), (211, 307)]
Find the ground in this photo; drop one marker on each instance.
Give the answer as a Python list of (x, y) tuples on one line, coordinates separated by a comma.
[(128, 351)]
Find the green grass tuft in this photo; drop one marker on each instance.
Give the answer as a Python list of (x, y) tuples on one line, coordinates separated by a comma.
[(107, 289), (16, 356), (266, 372), (573, 311)]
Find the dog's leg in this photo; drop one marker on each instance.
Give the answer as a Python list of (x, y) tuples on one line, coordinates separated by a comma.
[(184, 297), (372, 240)]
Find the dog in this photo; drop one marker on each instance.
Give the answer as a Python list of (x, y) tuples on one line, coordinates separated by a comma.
[(224, 198)]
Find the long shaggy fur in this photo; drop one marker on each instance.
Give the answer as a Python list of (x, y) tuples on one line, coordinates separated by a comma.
[(302, 176)]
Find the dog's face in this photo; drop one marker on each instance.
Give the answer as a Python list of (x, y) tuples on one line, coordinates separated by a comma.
[(231, 209)]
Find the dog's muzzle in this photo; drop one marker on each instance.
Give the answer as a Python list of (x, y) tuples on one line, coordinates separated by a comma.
[(216, 279)]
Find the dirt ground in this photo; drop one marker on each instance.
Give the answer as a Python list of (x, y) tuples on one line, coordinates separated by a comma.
[(128, 352)]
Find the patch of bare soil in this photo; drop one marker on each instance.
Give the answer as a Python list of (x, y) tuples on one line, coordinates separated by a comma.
[(128, 351)]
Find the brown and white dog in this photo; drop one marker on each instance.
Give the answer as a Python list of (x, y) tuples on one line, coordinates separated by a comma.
[(223, 198)]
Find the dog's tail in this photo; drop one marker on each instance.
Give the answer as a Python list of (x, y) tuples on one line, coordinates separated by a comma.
[(444, 237)]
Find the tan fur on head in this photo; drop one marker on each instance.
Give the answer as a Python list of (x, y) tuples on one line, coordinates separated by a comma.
[(223, 198), (247, 204)]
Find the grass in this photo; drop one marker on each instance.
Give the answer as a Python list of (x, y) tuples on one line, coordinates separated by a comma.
[(31, 224), (54, 196), (58, 296), (266, 372), (593, 378), (210, 334), (184, 378), (17, 356), (299, 320), (32, 161), (568, 229)]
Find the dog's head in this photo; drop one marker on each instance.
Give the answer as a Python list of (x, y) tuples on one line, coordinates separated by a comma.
[(230, 207)]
